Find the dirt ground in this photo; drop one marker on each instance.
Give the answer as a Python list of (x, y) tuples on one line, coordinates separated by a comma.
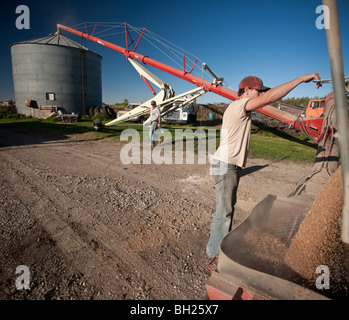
[(88, 226)]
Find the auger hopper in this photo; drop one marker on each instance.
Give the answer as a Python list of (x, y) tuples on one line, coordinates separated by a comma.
[(251, 260), (286, 249)]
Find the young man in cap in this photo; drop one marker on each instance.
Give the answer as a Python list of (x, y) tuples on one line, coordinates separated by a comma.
[(231, 154)]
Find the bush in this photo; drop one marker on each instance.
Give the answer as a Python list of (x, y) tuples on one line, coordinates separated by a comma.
[(10, 112)]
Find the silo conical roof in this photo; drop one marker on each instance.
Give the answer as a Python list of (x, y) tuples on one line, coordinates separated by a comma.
[(55, 39)]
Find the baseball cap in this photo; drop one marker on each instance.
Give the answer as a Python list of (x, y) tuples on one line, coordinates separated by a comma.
[(153, 102), (254, 83)]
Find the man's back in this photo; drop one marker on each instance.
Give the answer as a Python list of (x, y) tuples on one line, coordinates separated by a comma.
[(235, 134)]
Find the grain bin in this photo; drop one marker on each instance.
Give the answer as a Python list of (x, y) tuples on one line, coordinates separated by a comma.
[(55, 71)]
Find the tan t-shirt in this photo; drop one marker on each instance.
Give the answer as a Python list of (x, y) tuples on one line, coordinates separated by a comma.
[(235, 134)]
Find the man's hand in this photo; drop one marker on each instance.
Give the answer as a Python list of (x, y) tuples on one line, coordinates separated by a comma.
[(313, 76)]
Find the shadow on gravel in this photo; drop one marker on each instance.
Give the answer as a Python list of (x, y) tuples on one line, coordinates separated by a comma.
[(252, 169), (29, 132)]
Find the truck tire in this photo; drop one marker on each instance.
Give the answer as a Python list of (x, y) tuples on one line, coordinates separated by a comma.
[(108, 112), (91, 111), (97, 110), (111, 112)]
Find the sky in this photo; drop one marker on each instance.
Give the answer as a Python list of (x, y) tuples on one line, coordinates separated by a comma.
[(274, 40)]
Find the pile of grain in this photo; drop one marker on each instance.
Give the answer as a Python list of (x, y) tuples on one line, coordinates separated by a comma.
[(269, 248), (318, 240)]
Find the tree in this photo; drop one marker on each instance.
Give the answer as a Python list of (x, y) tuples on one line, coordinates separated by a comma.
[(125, 102), (300, 102)]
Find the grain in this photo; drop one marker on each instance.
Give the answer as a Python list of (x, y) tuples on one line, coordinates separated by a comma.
[(318, 240)]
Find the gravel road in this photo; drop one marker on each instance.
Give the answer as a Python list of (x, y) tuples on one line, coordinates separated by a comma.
[(88, 226)]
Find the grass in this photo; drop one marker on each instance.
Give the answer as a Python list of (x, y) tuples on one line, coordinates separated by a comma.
[(274, 144), (277, 148), (266, 142)]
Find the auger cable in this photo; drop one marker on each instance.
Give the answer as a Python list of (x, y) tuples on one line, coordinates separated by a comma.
[(175, 52)]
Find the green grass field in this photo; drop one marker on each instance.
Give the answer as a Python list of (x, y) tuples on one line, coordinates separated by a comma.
[(266, 142)]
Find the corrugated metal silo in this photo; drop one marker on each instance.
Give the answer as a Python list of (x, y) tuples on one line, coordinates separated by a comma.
[(55, 71)]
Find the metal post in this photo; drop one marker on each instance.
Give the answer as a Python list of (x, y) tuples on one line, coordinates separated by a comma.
[(337, 71)]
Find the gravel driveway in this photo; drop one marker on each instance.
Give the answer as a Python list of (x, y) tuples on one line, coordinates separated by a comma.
[(88, 226)]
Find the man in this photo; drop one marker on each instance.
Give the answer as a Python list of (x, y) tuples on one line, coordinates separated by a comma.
[(155, 120), (232, 152)]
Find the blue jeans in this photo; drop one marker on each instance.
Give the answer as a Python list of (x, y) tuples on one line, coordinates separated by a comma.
[(153, 135), (226, 177)]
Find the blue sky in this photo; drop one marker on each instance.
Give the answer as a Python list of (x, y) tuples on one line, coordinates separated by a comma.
[(274, 40)]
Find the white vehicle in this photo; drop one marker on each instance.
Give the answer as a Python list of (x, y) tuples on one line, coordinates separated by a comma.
[(181, 115)]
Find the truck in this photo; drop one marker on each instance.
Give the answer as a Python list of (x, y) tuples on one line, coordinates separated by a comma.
[(315, 108), (183, 115)]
